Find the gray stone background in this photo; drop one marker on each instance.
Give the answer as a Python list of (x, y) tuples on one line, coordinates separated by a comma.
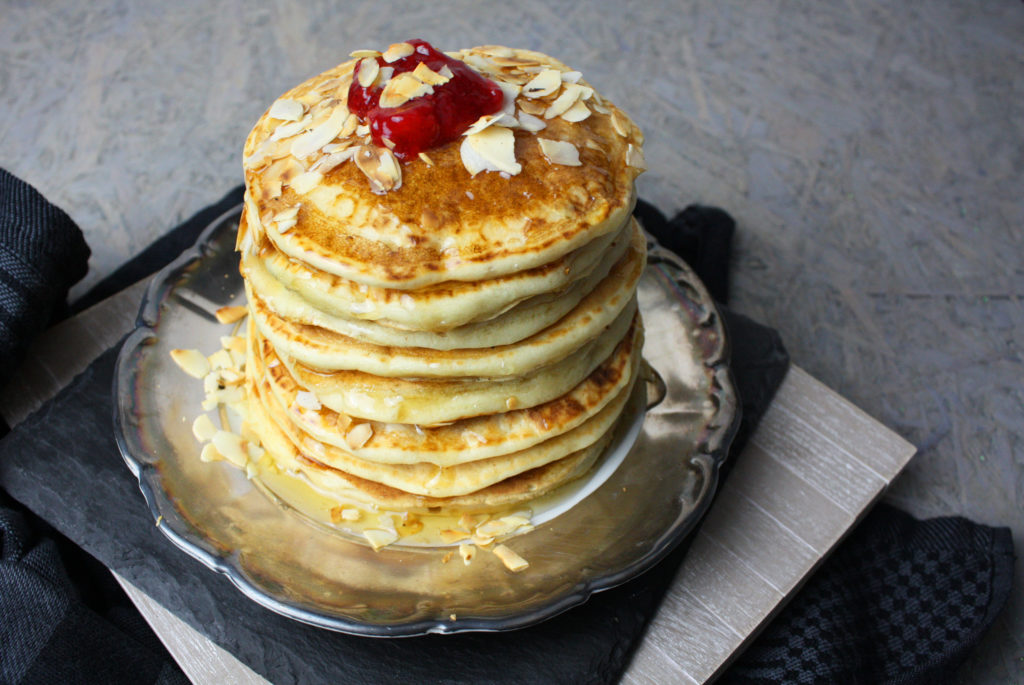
[(871, 152)]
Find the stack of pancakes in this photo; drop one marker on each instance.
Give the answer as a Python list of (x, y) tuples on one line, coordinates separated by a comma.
[(422, 336)]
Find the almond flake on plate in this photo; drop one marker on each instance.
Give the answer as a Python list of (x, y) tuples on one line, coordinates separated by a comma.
[(492, 149), (231, 447), (203, 428), (379, 538), (513, 562), (544, 83), (466, 552), (192, 362), (559, 152), (230, 314), (287, 110)]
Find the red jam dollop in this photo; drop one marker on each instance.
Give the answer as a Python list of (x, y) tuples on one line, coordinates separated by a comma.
[(429, 120)]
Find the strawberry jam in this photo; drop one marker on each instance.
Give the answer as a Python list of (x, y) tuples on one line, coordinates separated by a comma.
[(428, 120)]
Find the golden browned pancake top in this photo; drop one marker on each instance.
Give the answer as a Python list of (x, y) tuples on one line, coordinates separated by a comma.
[(442, 223)]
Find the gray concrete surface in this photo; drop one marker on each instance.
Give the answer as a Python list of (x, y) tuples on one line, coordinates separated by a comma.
[(873, 154)]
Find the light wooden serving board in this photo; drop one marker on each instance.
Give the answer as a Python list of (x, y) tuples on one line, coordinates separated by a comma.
[(812, 469)]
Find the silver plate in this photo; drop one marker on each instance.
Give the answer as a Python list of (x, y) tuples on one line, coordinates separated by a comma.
[(626, 525)]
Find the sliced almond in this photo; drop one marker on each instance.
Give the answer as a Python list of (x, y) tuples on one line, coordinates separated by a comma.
[(397, 51), (578, 112), (380, 166), (544, 83), (492, 149), (287, 110), (467, 552), (379, 538), (329, 162), (192, 362), (402, 88), (359, 435), (203, 428), (513, 562), (531, 123), (446, 72), (510, 91), (566, 99), (221, 359), (282, 171), (290, 129), (571, 76), (426, 160), (635, 157), (450, 535), (231, 447), (303, 183), (619, 124), (488, 120), (209, 453), (495, 528), (429, 76), (231, 314), (310, 142), (366, 72), (559, 152), (358, 54), (532, 107)]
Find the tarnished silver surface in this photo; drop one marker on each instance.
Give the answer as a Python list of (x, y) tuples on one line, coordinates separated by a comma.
[(213, 513)]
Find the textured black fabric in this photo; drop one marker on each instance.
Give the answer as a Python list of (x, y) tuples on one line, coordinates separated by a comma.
[(42, 254), (50, 633), (901, 601)]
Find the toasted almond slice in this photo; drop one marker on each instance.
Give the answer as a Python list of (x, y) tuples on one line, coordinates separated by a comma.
[(303, 183), (203, 428), (428, 75), (492, 149), (359, 435), (481, 540), (426, 160), (397, 51), (366, 72), (485, 121), (290, 129), (401, 89), (288, 110), (379, 538), (571, 76), (351, 514), (310, 142), (307, 400), (532, 106), (380, 166), (510, 91), (619, 124), (364, 53), (578, 112), (231, 314), (635, 157), (450, 535), (544, 83), (531, 123), (446, 72), (495, 528), (559, 152), (231, 447), (192, 362), (513, 562), (566, 99), (470, 521), (221, 359), (329, 162), (467, 552), (209, 453), (282, 171)]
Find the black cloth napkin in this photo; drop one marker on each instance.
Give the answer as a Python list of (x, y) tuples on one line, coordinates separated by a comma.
[(84, 490)]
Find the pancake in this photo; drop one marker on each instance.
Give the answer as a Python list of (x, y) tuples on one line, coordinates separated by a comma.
[(440, 224), (327, 350), (466, 440), (297, 299), (443, 306), (430, 401)]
